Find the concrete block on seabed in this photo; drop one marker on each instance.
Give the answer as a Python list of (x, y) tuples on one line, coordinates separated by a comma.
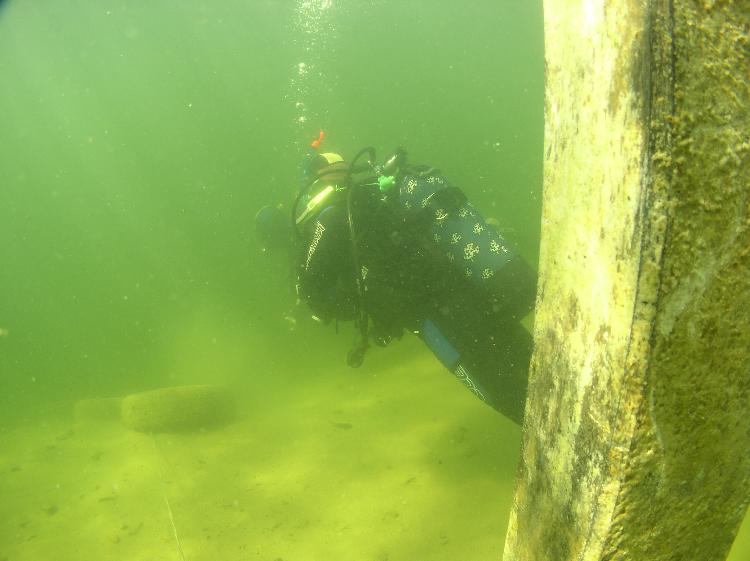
[(178, 409)]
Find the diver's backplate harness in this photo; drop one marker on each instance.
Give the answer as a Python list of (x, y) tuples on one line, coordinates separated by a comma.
[(333, 184)]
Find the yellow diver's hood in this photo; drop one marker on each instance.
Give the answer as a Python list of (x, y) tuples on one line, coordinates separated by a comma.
[(331, 157)]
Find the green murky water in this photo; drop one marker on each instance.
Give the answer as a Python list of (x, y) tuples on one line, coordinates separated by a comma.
[(138, 141)]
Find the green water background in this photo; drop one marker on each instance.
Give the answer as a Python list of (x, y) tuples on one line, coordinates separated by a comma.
[(139, 139)]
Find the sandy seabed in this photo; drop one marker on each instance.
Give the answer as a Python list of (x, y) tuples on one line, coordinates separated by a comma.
[(387, 463), (394, 463)]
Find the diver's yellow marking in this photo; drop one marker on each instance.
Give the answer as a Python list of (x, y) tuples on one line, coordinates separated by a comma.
[(313, 203), (319, 229)]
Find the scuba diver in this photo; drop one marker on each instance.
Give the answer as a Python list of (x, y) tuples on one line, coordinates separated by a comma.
[(395, 247)]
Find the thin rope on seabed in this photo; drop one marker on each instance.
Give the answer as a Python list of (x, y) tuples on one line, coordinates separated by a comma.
[(166, 498)]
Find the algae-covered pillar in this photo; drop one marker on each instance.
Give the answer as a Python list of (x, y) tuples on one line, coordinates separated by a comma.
[(637, 431)]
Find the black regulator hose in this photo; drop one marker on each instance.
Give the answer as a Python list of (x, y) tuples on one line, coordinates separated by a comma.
[(357, 355)]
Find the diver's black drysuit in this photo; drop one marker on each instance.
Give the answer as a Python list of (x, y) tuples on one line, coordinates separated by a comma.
[(430, 264)]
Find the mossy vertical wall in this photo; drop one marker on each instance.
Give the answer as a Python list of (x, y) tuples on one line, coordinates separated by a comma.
[(637, 429)]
